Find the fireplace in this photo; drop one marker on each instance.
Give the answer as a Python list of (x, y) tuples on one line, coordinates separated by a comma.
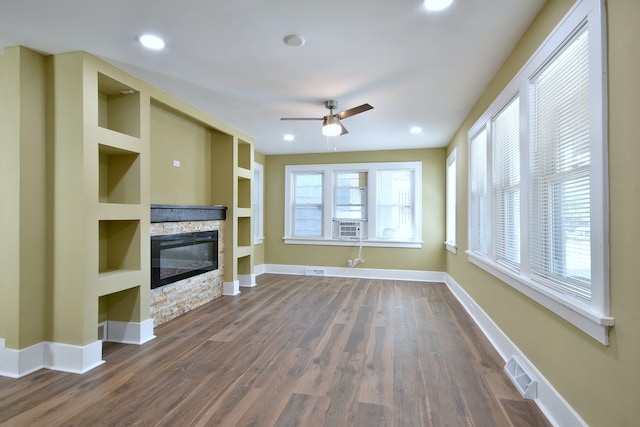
[(179, 256)]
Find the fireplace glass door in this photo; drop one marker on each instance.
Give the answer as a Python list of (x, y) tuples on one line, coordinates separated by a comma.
[(179, 256)]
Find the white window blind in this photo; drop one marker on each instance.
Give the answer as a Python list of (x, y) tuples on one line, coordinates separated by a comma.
[(505, 146), (478, 193), (547, 234), (560, 161)]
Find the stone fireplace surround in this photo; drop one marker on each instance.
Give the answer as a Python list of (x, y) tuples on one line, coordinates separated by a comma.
[(177, 298)]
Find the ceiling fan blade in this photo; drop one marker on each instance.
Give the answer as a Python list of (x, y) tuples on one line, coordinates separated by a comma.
[(301, 118), (353, 111)]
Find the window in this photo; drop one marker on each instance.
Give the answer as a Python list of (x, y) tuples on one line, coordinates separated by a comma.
[(451, 194), (258, 205), (478, 193), (351, 195), (541, 224), (505, 146), (383, 198), (307, 204)]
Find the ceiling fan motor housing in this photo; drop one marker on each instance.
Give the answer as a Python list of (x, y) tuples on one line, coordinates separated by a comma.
[(331, 104)]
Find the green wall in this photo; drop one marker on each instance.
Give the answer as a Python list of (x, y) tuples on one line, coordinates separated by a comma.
[(599, 382), (430, 257), (23, 207), (177, 137)]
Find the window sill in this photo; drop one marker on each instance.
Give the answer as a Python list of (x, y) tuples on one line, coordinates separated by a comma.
[(451, 247), (355, 242), (578, 314)]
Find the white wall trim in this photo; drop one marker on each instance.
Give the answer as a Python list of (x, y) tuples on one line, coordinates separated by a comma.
[(258, 269), (247, 280), (73, 358), (70, 358), (550, 402), (130, 332), (18, 363), (231, 288), (361, 273)]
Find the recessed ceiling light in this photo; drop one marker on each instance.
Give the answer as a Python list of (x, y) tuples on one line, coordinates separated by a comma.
[(151, 42), (288, 137), (415, 130), (436, 5), (293, 40)]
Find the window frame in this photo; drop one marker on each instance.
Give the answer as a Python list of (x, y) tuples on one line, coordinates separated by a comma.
[(329, 196), (451, 196), (258, 203), (592, 318)]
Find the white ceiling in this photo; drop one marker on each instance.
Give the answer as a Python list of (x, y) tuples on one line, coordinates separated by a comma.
[(228, 59)]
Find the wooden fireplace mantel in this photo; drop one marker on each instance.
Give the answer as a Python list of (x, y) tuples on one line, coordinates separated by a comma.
[(178, 213)]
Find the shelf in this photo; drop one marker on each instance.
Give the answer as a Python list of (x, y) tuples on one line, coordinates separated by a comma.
[(244, 251), (244, 173), (115, 211), (110, 138), (119, 176), (118, 106), (110, 282), (119, 245), (244, 212)]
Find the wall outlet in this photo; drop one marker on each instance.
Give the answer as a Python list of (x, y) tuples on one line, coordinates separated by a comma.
[(176, 163), (349, 263)]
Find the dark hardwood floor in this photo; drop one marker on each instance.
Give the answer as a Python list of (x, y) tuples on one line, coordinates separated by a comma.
[(294, 351)]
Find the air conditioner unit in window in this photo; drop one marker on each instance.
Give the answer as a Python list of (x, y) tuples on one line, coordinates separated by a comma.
[(349, 229)]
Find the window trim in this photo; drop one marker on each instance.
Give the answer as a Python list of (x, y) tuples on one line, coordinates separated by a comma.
[(451, 214), (258, 204), (372, 169), (593, 318)]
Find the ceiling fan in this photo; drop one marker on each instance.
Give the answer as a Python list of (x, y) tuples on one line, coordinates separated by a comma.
[(331, 124)]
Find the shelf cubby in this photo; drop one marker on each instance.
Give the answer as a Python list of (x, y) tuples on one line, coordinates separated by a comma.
[(119, 246), (118, 106), (119, 176), (244, 155), (244, 231), (244, 193)]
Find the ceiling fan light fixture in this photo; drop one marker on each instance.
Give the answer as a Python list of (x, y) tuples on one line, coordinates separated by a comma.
[(331, 126), (436, 5)]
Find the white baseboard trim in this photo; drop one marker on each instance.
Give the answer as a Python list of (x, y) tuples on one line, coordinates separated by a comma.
[(70, 358), (18, 363), (360, 273), (258, 269), (231, 288), (247, 280), (130, 332), (73, 358), (550, 402)]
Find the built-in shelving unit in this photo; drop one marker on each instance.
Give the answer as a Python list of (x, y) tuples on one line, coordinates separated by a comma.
[(101, 204), (102, 181)]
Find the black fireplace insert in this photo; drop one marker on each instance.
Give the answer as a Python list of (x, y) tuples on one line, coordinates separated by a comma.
[(179, 256)]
